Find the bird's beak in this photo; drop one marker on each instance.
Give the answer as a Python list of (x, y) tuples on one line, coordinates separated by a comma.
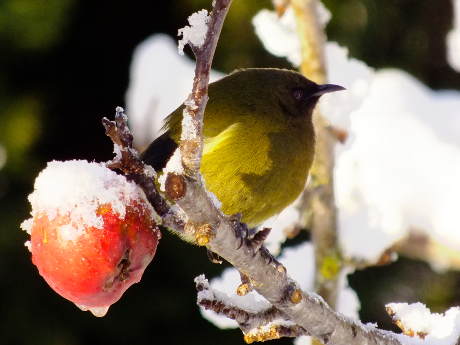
[(326, 88)]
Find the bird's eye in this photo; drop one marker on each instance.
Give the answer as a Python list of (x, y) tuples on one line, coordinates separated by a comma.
[(298, 94)]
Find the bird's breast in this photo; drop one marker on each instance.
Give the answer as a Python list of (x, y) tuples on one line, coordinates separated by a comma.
[(255, 172)]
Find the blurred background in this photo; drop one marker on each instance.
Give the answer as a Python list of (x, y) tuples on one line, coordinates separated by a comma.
[(65, 63)]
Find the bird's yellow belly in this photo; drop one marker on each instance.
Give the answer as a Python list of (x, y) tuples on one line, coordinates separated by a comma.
[(255, 183)]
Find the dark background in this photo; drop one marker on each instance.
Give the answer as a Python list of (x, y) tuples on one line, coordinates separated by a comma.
[(64, 64)]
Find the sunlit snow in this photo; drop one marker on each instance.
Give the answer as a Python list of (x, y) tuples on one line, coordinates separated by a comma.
[(77, 189), (194, 34), (437, 329)]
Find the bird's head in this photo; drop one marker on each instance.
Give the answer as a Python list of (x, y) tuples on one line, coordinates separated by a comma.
[(289, 91)]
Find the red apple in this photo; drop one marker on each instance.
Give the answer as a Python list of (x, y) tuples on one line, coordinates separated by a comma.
[(92, 259)]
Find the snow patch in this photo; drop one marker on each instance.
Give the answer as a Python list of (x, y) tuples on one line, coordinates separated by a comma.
[(439, 328), (279, 34), (194, 34), (27, 225), (77, 189), (174, 166), (399, 169), (189, 130), (279, 224)]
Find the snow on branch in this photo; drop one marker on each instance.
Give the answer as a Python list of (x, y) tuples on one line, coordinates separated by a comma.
[(258, 325), (127, 161), (417, 322), (191, 145)]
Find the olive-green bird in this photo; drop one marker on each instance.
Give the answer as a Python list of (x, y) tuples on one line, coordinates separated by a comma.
[(259, 140)]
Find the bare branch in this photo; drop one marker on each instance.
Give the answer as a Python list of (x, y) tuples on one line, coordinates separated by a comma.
[(307, 311), (312, 39), (318, 200)]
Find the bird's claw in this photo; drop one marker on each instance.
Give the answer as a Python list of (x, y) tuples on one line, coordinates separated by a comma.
[(241, 229)]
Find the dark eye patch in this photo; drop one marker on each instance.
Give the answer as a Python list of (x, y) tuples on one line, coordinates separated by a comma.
[(298, 93)]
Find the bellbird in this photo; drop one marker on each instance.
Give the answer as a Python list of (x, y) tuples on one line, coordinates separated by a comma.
[(258, 140)]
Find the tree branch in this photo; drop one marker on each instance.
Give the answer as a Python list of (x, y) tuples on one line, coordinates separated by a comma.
[(128, 162), (318, 200), (198, 216), (268, 277), (191, 145), (246, 320)]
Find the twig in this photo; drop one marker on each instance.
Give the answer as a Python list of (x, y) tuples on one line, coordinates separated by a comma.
[(245, 319), (129, 163), (312, 39), (318, 199), (193, 197), (191, 145), (264, 325)]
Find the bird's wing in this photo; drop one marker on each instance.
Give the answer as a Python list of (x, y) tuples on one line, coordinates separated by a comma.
[(159, 151)]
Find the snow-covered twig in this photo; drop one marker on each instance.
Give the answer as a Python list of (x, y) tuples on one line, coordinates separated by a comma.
[(203, 215), (250, 322), (191, 145), (128, 162)]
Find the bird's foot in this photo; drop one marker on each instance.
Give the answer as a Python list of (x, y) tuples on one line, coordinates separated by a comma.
[(241, 229)]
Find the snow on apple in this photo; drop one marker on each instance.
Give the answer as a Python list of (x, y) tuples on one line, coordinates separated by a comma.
[(93, 233)]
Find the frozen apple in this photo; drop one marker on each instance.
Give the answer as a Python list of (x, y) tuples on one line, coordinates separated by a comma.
[(93, 233)]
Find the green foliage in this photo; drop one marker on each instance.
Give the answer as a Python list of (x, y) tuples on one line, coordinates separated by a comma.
[(31, 24), (21, 128)]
